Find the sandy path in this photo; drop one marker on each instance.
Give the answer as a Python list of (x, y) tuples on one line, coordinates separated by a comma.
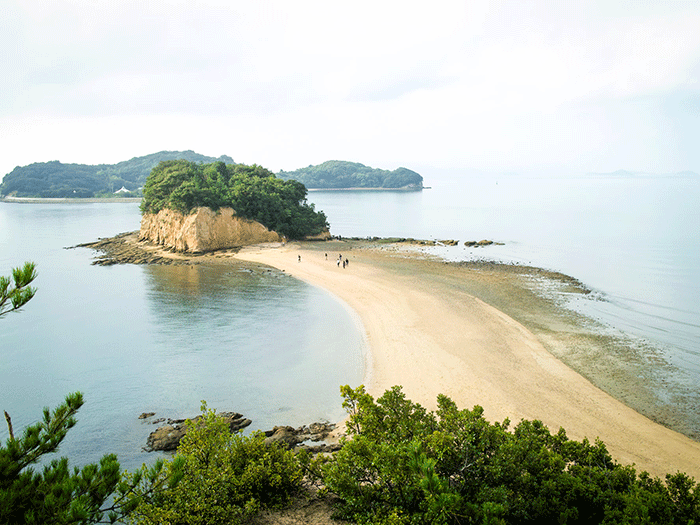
[(435, 339)]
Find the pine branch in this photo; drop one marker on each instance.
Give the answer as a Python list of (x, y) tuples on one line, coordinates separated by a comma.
[(9, 425)]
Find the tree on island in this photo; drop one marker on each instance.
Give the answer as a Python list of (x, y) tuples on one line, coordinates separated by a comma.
[(339, 174), (57, 180), (252, 191)]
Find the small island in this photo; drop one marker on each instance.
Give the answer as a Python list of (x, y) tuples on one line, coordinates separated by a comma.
[(194, 207), (343, 175)]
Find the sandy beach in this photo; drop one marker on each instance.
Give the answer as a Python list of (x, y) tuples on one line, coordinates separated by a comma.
[(427, 332)]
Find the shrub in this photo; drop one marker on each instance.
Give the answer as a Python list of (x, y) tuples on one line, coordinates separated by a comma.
[(226, 477), (403, 464)]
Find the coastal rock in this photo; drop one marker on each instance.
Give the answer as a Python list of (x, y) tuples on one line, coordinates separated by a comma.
[(168, 437), (325, 235), (483, 242), (165, 438), (285, 436), (203, 230), (289, 437)]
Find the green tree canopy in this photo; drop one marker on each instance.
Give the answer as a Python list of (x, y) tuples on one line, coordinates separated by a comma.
[(252, 191), (55, 179), (338, 174), (406, 465)]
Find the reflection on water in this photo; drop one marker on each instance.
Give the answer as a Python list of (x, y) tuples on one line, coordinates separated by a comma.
[(255, 340)]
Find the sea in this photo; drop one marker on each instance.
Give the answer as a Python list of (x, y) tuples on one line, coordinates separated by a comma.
[(162, 339)]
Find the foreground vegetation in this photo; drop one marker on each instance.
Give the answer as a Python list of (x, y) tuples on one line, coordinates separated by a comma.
[(252, 191), (403, 464), (57, 180), (338, 174), (399, 464)]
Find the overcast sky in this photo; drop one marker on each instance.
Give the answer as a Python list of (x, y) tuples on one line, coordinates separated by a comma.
[(568, 86)]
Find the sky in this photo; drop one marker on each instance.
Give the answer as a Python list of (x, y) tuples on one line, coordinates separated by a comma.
[(518, 86)]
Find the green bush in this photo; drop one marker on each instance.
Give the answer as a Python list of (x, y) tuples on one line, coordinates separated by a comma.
[(226, 477), (403, 464)]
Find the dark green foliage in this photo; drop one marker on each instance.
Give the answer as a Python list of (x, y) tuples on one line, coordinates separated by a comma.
[(252, 191), (15, 291), (54, 179), (407, 465), (58, 494), (336, 174), (226, 478)]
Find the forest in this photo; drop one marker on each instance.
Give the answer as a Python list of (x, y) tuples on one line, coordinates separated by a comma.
[(252, 191), (337, 174), (57, 180)]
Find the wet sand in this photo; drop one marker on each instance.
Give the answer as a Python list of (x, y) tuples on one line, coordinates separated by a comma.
[(429, 330)]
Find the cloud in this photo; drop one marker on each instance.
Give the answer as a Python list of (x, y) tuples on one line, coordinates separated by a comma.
[(501, 85)]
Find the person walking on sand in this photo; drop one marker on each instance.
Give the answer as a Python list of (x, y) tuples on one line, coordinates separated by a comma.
[(299, 260)]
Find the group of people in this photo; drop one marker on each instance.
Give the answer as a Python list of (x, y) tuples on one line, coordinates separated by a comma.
[(340, 260)]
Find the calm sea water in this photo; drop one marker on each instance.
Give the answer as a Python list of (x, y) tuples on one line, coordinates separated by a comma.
[(161, 339)]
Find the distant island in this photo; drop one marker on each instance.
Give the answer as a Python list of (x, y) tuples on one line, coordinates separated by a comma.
[(126, 179), (640, 174), (338, 174), (57, 180)]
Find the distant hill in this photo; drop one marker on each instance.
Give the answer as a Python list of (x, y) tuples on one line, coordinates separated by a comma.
[(643, 175), (338, 174), (54, 179)]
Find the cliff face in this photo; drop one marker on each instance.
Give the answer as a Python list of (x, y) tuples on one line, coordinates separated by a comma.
[(203, 230)]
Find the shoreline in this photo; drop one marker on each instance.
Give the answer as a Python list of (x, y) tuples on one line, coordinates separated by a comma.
[(428, 334), (66, 200), (436, 327)]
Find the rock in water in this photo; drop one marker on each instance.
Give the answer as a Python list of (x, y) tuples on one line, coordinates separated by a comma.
[(167, 437)]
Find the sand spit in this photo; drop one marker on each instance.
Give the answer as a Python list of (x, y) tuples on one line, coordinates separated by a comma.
[(443, 328)]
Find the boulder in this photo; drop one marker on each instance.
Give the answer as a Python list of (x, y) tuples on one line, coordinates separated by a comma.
[(167, 437), (285, 436), (289, 437)]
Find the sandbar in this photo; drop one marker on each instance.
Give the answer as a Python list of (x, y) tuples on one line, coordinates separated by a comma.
[(427, 333)]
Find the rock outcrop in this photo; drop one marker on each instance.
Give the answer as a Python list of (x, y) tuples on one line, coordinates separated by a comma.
[(203, 230), (168, 436)]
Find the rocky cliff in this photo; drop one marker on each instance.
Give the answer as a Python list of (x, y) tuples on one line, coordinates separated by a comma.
[(203, 230)]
